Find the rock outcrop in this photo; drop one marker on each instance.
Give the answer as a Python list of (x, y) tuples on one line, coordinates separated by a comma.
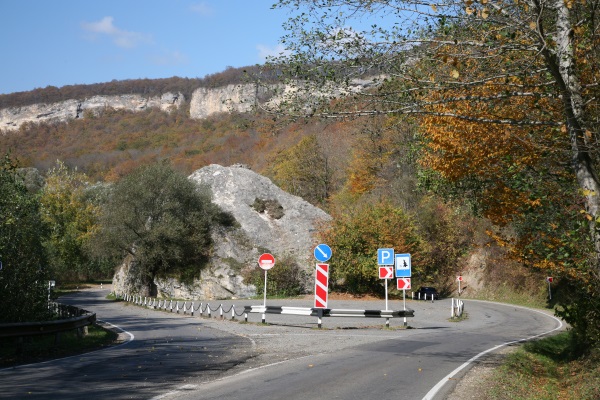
[(204, 102), (12, 118), (270, 219)]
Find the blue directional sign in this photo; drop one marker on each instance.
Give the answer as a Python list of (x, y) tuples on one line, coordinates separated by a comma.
[(385, 256), (403, 267), (322, 252)]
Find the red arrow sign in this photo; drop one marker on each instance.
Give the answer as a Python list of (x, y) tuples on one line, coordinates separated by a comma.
[(386, 272), (549, 279), (266, 261), (459, 278), (403, 283)]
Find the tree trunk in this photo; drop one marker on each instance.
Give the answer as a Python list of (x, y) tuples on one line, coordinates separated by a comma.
[(562, 65)]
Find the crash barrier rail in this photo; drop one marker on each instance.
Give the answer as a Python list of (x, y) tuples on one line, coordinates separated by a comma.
[(458, 306), (191, 309), (327, 312), (70, 318)]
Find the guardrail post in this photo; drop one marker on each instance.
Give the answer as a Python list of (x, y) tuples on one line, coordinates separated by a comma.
[(208, 309), (232, 312), (319, 317), (221, 311)]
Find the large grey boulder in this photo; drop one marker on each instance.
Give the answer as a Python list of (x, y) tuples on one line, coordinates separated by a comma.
[(270, 220)]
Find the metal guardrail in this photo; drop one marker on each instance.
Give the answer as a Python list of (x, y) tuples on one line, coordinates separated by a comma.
[(329, 312), (75, 318), (175, 306)]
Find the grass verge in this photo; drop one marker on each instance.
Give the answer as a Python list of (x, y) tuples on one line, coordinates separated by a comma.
[(41, 348), (547, 369)]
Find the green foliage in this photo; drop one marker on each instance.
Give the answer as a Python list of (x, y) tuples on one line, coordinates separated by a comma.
[(355, 236), (162, 221), (447, 235), (23, 278), (303, 170), (272, 207), (549, 368), (286, 278), (72, 219)]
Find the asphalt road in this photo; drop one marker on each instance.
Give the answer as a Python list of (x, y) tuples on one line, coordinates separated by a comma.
[(183, 357)]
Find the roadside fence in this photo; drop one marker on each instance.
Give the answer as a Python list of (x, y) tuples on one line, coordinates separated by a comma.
[(205, 309)]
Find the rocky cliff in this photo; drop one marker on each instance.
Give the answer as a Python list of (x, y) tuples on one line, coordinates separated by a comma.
[(270, 220), (204, 103), (12, 118)]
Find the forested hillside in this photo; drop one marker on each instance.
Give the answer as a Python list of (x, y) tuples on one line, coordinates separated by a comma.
[(358, 170)]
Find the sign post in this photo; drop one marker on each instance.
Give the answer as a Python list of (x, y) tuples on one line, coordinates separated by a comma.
[(459, 279), (385, 260), (549, 280), (321, 285), (266, 261), (403, 270)]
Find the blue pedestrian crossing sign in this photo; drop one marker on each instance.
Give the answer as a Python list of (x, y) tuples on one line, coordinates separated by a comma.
[(385, 256), (403, 267), (322, 252)]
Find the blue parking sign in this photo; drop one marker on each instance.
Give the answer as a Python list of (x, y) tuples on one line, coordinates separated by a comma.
[(385, 256)]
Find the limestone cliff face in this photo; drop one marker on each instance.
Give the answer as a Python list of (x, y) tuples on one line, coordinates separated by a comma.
[(240, 98), (270, 219), (204, 103), (12, 118)]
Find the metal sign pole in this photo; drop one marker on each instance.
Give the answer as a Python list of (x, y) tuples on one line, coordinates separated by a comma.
[(404, 299), (549, 290), (265, 299), (386, 295)]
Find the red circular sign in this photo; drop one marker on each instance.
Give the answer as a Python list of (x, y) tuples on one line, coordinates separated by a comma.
[(266, 261)]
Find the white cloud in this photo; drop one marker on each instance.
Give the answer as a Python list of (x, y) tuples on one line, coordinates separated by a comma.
[(265, 52), (120, 37), (202, 9)]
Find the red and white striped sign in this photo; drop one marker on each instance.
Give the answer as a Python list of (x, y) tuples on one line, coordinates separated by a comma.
[(321, 285), (403, 283), (386, 272)]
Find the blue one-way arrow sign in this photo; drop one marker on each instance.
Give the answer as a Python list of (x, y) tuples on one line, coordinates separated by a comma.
[(322, 252)]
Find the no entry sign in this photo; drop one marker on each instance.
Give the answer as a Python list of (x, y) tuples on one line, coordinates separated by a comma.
[(266, 261), (321, 285)]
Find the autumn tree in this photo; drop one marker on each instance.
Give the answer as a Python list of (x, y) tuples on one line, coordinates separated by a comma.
[(303, 170), (461, 53), (507, 93), (72, 219), (355, 235)]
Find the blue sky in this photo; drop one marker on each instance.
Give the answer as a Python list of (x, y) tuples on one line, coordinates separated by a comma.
[(66, 42)]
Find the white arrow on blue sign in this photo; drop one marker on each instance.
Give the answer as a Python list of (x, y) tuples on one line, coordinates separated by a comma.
[(322, 252), (385, 256), (403, 267)]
